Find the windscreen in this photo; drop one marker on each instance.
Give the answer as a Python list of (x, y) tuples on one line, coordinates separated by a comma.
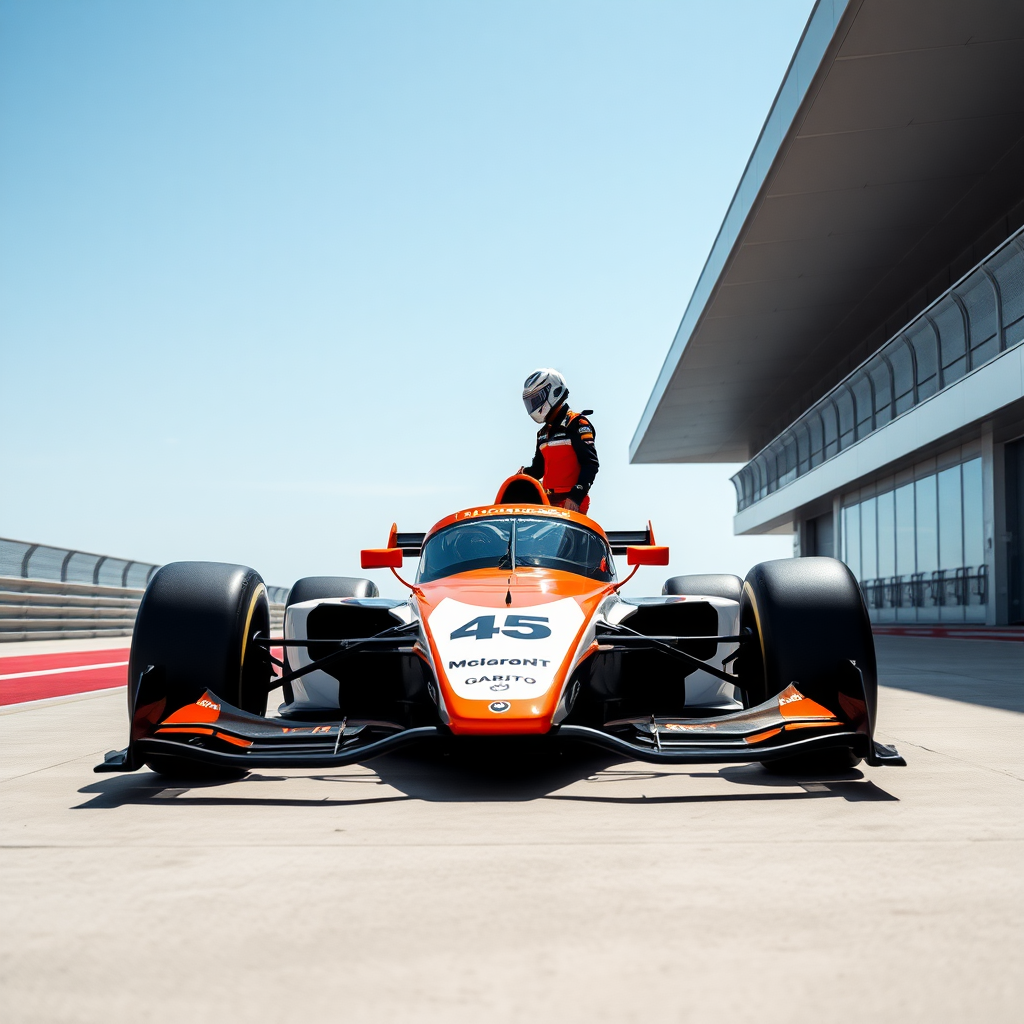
[(540, 543)]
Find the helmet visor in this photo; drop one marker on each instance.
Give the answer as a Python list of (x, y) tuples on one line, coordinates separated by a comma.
[(536, 400)]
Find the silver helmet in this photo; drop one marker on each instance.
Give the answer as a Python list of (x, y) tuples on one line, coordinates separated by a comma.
[(543, 391)]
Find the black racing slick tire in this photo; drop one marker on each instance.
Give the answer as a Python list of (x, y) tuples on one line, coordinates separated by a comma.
[(313, 588), (705, 585), (810, 623), (195, 627)]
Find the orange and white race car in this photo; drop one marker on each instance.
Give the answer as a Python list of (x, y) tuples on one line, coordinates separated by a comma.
[(514, 626)]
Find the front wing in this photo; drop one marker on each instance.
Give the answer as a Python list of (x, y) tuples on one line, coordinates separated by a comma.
[(214, 733)]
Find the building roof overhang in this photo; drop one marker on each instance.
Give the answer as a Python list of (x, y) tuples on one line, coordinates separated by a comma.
[(896, 137)]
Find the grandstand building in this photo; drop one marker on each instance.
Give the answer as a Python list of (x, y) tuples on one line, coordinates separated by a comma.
[(855, 337)]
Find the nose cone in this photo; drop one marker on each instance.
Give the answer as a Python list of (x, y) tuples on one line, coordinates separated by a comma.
[(502, 669), (505, 717)]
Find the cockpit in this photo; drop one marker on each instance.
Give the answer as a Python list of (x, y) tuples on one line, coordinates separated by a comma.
[(513, 542)]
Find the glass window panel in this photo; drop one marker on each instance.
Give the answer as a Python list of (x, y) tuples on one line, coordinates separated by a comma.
[(902, 371), (816, 432), (1014, 334), (868, 540), (886, 535), (803, 447), (844, 405), (927, 516), (922, 337), (905, 554), (828, 419), (954, 371), (864, 405), (927, 388), (851, 538), (1008, 270), (983, 353), (790, 469), (879, 373), (980, 302), (951, 535), (974, 528), (952, 340)]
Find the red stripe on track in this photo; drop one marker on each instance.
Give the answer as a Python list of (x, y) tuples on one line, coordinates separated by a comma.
[(58, 659), (82, 680), (62, 684)]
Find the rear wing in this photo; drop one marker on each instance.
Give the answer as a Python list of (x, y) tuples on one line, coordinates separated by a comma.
[(619, 540), (412, 543)]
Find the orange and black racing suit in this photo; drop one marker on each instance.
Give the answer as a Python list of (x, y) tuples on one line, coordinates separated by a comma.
[(566, 460)]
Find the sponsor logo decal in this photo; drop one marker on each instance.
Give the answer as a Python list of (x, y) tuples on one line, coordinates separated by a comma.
[(498, 706), (204, 703), (473, 680), (517, 652), (515, 510), (498, 661)]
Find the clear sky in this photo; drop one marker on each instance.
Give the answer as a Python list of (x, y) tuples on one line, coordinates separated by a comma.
[(272, 273)]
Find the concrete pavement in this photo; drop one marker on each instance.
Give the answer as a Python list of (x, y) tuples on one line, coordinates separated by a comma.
[(570, 889)]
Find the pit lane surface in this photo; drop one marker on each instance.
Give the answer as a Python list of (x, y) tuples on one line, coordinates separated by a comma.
[(572, 889)]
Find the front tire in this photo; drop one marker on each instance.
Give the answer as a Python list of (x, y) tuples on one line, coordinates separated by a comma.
[(195, 626), (705, 585), (809, 623)]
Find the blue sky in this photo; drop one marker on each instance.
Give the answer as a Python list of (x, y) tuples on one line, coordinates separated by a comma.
[(272, 274)]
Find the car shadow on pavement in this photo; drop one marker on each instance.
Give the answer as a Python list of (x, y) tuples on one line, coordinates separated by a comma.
[(146, 787), (486, 774)]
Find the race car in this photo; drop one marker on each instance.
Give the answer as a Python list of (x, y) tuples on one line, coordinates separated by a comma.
[(514, 626)]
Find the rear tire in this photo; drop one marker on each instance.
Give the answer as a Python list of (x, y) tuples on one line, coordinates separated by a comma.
[(809, 621), (195, 625), (314, 588), (705, 585)]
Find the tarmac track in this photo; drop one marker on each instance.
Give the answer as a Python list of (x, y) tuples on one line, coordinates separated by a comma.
[(572, 888)]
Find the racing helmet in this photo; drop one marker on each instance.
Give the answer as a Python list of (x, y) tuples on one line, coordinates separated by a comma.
[(543, 391)]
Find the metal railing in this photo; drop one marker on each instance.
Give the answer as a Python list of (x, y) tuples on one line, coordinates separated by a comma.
[(43, 562), (971, 323), (942, 588), (50, 593)]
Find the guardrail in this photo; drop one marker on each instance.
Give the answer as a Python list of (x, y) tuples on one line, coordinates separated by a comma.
[(50, 593), (972, 322), (943, 587)]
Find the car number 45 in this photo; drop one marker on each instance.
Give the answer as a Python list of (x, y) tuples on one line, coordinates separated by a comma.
[(521, 627)]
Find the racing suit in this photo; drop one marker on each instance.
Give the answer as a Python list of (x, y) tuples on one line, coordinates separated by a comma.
[(565, 461)]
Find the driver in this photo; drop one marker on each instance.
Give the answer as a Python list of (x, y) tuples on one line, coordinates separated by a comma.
[(565, 461)]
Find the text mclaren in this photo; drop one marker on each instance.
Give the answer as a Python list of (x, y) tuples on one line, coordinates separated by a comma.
[(499, 661)]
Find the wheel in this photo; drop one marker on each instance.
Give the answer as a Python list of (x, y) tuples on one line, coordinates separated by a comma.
[(195, 626), (312, 588), (707, 585), (810, 623)]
